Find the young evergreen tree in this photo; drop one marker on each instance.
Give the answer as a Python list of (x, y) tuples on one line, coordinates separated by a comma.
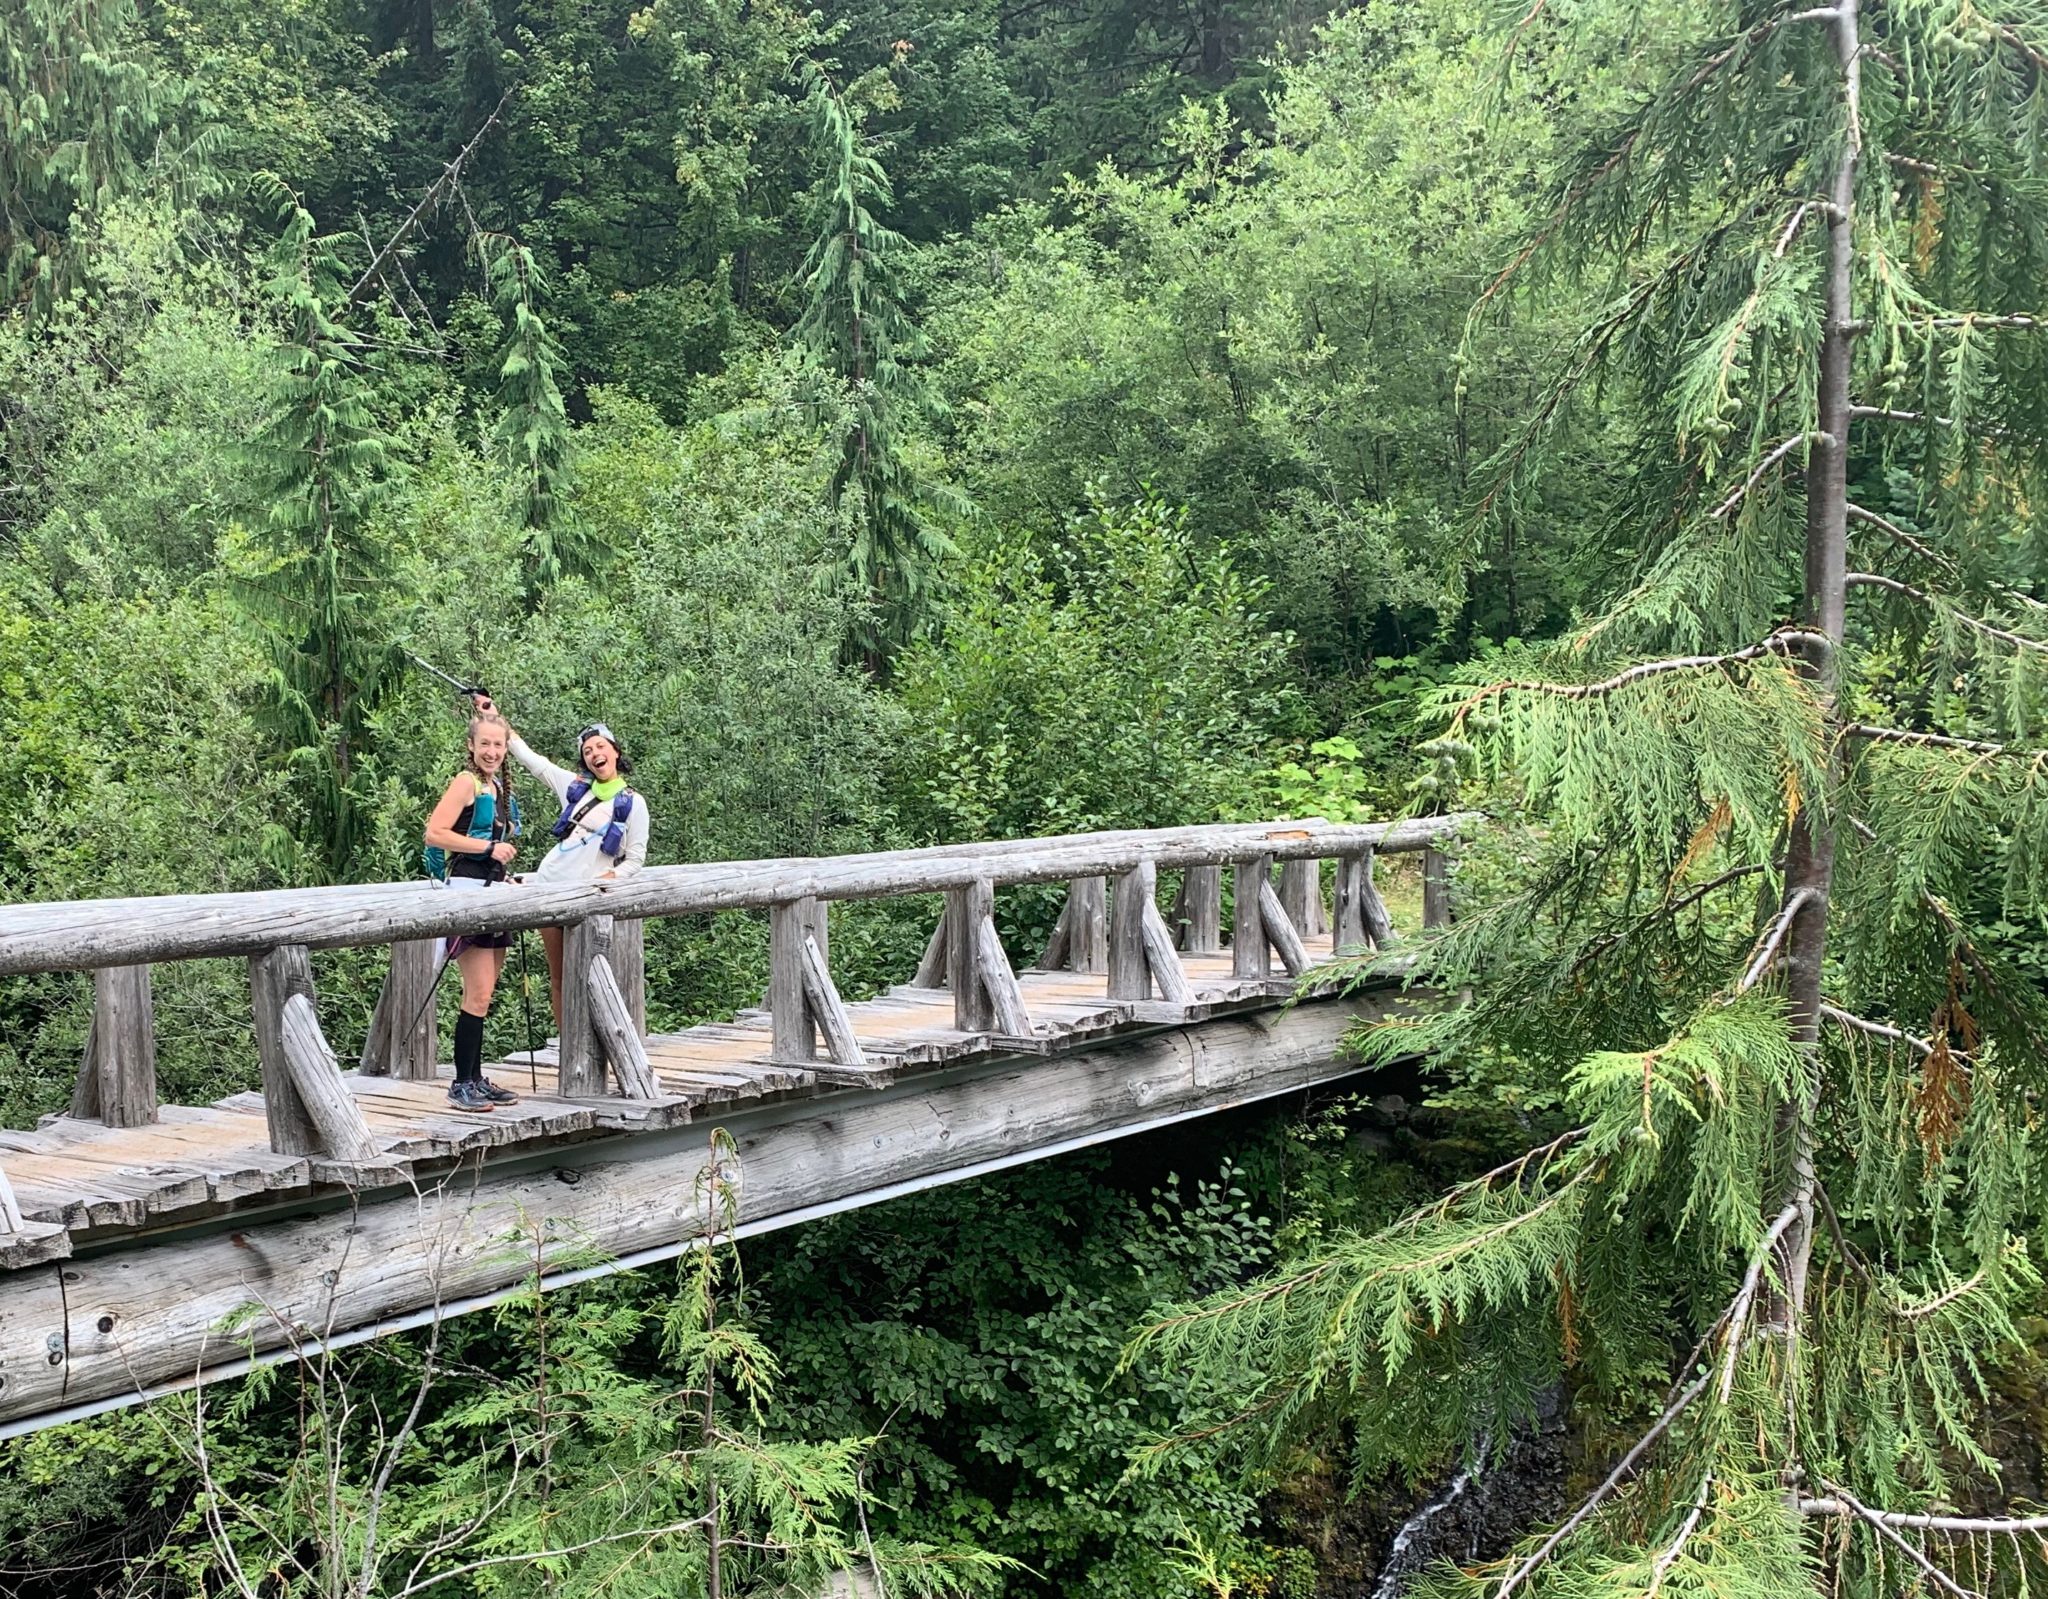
[(532, 432), (321, 457), (858, 336), (1783, 895)]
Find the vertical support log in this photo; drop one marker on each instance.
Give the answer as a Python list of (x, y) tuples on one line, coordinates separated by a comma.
[(414, 1036), (1286, 941), (1250, 879), (582, 1055), (274, 979), (1202, 896), (1301, 888), (931, 970), (375, 1060), (316, 1074), (1436, 888), (967, 908), (1129, 974), (1348, 934), (85, 1093), (1088, 925), (629, 969), (794, 1030), (10, 1213), (124, 1045), (613, 1019)]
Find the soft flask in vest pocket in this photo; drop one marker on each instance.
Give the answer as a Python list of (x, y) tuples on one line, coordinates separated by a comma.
[(613, 843)]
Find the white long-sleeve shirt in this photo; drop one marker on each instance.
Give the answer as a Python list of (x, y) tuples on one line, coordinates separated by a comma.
[(577, 858)]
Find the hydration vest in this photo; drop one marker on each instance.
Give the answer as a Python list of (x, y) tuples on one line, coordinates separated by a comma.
[(478, 819), (574, 809)]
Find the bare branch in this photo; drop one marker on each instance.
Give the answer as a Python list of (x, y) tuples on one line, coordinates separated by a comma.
[(1934, 557), (1863, 1024), (647, 1533), (1779, 451), (1676, 1547), (451, 176), (1973, 746), (1745, 1298), (1854, 1506), (1786, 641), (1776, 936), (1976, 624)]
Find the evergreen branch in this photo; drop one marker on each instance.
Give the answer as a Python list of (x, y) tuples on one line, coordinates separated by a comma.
[(1934, 557), (1940, 1578), (1623, 1470), (1669, 1556), (1783, 448), (451, 174), (1976, 624), (530, 1557), (1941, 1301), (1783, 642), (1776, 936), (1900, 735)]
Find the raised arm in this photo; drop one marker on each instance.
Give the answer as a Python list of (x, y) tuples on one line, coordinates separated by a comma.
[(556, 777)]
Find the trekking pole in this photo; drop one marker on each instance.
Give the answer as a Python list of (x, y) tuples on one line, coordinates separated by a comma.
[(433, 993), (460, 687), (526, 1000)]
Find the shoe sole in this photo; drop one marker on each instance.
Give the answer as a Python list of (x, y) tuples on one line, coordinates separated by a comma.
[(474, 1110)]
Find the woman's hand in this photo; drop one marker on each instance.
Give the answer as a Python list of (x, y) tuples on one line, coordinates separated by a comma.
[(602, 876), (503, 851)]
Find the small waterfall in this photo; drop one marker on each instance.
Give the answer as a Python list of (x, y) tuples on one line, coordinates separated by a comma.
[(1399, 1564)]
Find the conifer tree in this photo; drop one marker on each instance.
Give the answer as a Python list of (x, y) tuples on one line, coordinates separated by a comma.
[(532, 431), (321, 458), (1782, 879), (857, 334)]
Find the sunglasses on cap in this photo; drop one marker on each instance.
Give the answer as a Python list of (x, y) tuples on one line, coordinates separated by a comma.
[(597, 730)]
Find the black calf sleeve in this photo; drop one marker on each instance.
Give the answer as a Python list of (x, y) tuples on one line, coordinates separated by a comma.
[(469, 1047)]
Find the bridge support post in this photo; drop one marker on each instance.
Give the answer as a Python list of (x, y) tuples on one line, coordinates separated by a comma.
[(965, 909), (581, 1073), (1251, 882), (1348, 933), (1280, 933), (1201, 891), (1301, 895), (275, 980), (117, 1075), (629, 966), (405, 1028), (1088, 924), (795, 1030), (1436, 888)]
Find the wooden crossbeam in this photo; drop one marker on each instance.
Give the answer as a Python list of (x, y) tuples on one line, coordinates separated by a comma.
[(316, 1075), (1162, 960), (992, 971), (827, 1009), (613, 1019), (1280, 932)]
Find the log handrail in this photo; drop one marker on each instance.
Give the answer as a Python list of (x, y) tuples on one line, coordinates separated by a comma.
[(81, 935)]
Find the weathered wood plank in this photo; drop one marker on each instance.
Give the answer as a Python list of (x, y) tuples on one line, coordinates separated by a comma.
[(992, 971), (1161, 958), (83, 934), (317, 1077), (966, 908), (1280, 932), (1202, 902), (274, 979), (629, 967), (1436, 888), (582, 1051), (1130, 974), (827, 1008), (1251, 878), (124, 1045), (613, 1018)]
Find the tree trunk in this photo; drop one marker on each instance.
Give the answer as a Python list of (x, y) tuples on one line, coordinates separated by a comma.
[(1810, 853)]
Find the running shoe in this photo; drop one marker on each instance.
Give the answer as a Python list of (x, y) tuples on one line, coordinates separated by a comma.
[(495, 1094), (469, 1096)]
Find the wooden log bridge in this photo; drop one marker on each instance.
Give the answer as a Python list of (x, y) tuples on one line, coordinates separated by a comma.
[(145, 1247)]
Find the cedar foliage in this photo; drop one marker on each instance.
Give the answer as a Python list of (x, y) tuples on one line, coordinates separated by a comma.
[(1771, 795)]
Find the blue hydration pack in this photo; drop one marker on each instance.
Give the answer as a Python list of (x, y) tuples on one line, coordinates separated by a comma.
[(478, 819), (613, 843)]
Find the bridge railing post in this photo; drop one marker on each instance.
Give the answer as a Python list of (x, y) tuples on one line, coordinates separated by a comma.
[(1436, 888), (405, 1027), (986, 995), (309, 1108), (1301, 895), (1141, 952), (117, 1071), (803, 1001), (1251, 885), (1201, 895)]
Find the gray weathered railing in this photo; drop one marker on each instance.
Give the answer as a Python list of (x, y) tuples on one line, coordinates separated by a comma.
[(1120, 933)]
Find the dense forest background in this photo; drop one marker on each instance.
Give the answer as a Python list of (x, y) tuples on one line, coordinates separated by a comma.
[(904, 424)]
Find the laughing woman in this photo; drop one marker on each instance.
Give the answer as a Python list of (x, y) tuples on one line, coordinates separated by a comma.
[(601, 833), (469, 845)]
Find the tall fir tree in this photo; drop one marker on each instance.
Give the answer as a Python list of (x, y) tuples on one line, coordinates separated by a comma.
[(862, 344), (532, 432), (1783, 857), (321, 457)]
